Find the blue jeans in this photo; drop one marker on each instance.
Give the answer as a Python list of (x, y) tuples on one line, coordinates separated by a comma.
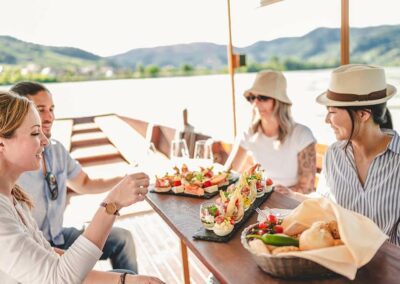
[(119, 247)]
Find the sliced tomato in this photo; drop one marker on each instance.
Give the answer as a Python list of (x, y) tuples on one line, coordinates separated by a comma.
[(207, 183), (219, 219), (162, 182), (268, 182), (176, 182)]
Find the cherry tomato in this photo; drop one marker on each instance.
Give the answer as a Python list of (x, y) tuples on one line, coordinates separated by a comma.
[(278, 229), (232, 222), (268, 182), (262, 225), (176, 183), (272, 219), (207, 183)]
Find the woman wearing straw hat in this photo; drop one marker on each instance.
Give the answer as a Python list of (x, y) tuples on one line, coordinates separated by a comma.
[(362, 169), (284, 148)]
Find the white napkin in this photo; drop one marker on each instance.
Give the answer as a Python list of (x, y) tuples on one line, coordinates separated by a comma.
[(361, 237)]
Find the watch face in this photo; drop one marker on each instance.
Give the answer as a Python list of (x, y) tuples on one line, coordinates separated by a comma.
[(111, 208)]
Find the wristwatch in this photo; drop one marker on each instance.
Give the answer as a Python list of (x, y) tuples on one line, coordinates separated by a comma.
[(111, 208)]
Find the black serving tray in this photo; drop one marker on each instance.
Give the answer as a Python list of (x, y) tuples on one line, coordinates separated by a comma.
[(233, 178), (209, 235)]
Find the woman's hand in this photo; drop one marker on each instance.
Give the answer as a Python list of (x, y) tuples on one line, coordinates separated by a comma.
[(284, 190), (142, 279), (58, 251), (129, 190), (290, 193)]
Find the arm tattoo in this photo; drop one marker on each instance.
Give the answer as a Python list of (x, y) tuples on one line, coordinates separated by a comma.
[(306, 169)]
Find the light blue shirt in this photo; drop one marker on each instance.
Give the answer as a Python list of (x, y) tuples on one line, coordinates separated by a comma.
[(49, 213)]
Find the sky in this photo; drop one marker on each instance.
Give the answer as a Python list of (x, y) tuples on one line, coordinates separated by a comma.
[(107, 27)]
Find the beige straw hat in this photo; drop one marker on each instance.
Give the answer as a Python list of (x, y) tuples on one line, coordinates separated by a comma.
[(357, 85), (271, 84)]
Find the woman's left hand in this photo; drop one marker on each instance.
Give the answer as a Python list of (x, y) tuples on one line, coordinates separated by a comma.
[(284, 190)]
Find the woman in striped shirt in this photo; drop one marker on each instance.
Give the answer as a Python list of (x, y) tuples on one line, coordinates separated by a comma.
[(362, 169)]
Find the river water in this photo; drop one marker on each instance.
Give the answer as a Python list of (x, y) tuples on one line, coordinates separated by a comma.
[(207, 98)]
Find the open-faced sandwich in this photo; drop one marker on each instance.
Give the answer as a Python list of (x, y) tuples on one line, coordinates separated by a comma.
[(162, 184)]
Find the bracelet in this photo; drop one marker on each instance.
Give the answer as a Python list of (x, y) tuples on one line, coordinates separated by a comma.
[(122, 278)]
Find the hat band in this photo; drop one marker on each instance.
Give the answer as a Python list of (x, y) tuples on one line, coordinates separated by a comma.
[(352, 97)]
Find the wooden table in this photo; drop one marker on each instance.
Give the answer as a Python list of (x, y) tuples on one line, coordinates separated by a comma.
[(231, 263)]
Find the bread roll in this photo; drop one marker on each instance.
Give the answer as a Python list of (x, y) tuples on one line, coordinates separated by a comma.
[(316, 237), (257, 247), (279, 250)]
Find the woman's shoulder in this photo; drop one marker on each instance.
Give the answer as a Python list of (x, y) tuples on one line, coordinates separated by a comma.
[(299, 128), (336, 147), (302, 133)]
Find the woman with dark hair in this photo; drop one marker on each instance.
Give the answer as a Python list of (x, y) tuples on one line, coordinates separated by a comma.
[(362, 169)]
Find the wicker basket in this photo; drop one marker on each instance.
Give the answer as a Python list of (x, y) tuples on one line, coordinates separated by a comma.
[(286, 266)]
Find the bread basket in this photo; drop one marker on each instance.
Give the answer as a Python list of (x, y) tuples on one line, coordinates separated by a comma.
[(286, 266)]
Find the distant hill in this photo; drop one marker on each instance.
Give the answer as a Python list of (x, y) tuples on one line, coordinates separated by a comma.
[(376, 45), (17, 52)]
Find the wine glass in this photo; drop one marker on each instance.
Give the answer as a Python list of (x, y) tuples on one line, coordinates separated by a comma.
[(208, 211), (179, 152), (203, 153)]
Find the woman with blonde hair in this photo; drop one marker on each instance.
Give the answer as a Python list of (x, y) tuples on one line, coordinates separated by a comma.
[(26, 256), (284, 148)]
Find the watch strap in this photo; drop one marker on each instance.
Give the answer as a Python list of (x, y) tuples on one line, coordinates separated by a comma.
[(106, 205)]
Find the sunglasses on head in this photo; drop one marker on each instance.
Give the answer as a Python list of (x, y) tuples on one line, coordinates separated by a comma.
[(251, 98), (52, 184)]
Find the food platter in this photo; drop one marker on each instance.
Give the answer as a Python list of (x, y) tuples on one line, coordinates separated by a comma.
[(207, 195), (208, 235)]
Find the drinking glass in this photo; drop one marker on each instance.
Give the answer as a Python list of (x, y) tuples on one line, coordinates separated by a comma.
[(203, 153), (179, 151), (208, 211)]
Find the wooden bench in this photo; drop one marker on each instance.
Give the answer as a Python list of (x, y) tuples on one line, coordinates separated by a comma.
[(161, 137), (62, 131), (129, 142)]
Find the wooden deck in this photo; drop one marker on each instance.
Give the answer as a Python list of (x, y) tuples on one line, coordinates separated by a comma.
[(157, 246)]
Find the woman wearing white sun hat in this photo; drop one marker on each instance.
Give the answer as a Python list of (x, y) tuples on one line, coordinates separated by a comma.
[(361, 170), (285, 149)]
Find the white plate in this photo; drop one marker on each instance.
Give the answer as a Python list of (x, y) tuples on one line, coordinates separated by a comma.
[(278, 212)]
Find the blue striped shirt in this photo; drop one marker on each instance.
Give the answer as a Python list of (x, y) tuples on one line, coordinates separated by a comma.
[(379, 198)]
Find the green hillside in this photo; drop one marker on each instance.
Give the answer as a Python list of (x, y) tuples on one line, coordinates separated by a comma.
[(319, 48)]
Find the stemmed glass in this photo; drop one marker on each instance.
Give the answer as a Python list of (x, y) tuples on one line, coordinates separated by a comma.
[(179, 152), (203, 153)]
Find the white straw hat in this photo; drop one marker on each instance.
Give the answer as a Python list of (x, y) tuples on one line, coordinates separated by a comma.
[(357, 85), (271, 84)]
